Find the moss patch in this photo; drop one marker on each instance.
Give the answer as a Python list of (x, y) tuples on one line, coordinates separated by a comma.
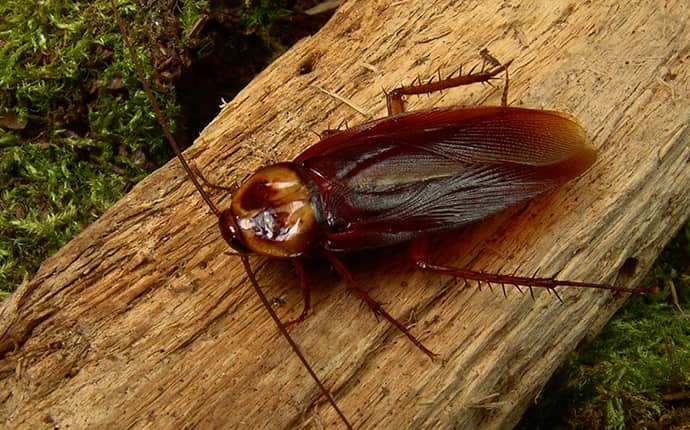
[(636, 373), (76, 131)]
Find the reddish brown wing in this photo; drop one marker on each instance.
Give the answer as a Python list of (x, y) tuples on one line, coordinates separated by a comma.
[(394, 179)]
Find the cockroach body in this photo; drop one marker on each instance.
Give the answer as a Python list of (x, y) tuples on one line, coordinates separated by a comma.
[(403, 178), (399, 179)]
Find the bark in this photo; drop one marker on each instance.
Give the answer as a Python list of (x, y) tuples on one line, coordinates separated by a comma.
[(145, 320)]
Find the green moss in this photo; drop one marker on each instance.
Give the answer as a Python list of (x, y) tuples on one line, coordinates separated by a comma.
[(621, 380), (259, 15), (77, 131)]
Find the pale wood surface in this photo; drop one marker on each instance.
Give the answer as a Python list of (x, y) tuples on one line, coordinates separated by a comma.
[(143, 321)]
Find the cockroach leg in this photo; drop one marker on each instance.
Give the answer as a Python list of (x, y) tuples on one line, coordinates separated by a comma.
[(326, 133), (396, 104), (288, 338), (458, 72), (420, 259), (373, 304), (243, 257), (306, 292), (504, 96)]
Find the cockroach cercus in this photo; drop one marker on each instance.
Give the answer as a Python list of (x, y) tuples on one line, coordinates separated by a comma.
[(399, 179)]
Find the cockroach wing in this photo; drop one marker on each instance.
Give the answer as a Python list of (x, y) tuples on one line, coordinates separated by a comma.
[(397, 178)]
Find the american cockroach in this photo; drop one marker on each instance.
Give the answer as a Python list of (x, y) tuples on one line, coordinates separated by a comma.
[(399, 179)]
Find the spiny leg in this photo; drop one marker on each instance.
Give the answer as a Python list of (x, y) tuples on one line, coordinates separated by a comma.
[(396, 104), (420, 259), (373, 304)]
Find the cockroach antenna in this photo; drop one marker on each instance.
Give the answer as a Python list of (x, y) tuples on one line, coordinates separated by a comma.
[(244, 257)]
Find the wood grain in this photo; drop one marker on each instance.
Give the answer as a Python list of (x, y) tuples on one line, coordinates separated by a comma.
[(145, 321)]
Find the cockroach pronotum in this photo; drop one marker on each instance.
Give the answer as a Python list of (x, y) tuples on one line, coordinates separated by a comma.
[(399, 179)]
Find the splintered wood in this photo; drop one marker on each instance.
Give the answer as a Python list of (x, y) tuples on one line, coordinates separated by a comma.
[(145, 321)]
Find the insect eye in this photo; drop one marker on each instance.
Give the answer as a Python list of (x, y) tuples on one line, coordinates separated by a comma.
[(238, 246), (229, 231)]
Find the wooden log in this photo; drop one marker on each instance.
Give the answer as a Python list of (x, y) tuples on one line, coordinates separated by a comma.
[(145, 321)]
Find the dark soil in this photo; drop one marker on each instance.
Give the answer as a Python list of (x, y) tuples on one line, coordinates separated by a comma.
[(217, 60)]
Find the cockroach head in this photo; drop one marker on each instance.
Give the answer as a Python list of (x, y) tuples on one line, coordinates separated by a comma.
[(271, 214)]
